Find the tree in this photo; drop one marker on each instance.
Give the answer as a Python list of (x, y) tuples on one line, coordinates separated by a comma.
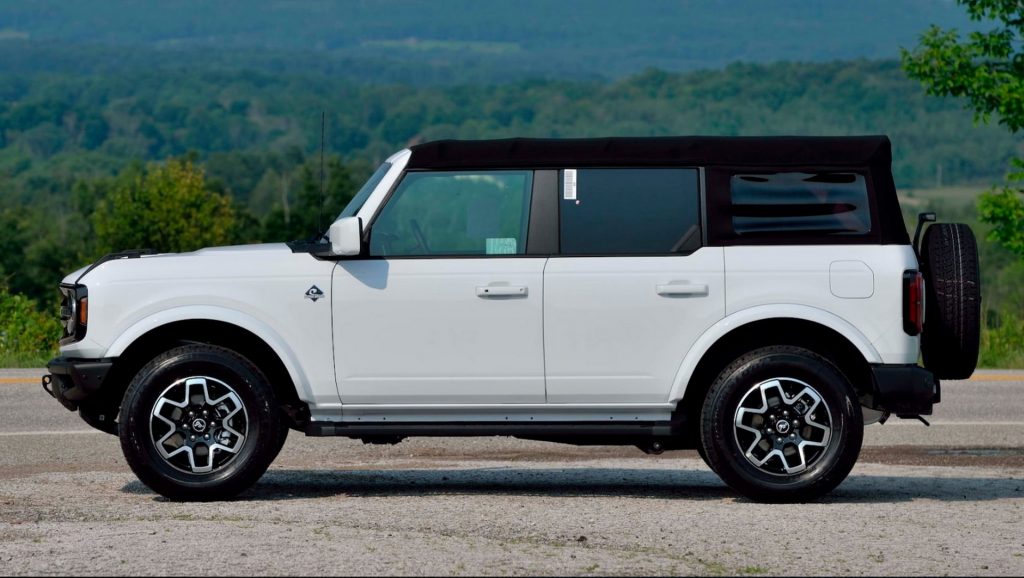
[(299, 217), (986, 69), (167, 207)]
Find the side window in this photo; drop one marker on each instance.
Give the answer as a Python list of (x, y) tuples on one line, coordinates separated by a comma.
[(629, 211), (834, 203), (455, 213)]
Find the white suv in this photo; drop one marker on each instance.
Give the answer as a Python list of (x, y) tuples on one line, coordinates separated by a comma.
[(757, 299)]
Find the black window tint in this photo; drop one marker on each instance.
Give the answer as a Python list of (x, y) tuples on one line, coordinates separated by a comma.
[(455, 213), (630, 211), (781, 203)]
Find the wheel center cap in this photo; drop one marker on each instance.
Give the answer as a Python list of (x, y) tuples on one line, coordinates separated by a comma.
[(782, 426), (199, 424)]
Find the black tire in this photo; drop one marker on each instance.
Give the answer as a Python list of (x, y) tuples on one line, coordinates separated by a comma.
[(256, 448), (703, 454), (798, 368), (952, 320), (280, 445)]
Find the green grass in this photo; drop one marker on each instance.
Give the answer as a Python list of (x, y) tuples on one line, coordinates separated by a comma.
[(8, 360)]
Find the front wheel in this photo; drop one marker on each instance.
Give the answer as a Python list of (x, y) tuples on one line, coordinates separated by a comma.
[(200, 422), (782, 424)]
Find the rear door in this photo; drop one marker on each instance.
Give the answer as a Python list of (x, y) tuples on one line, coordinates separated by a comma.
[(632, 287)]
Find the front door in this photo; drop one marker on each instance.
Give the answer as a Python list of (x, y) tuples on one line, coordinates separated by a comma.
[(446, 308)]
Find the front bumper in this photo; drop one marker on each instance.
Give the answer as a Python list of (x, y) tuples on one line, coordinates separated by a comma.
[(905, 390), (72, 381)]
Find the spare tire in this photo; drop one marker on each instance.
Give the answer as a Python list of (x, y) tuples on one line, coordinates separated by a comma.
[(952, 319)]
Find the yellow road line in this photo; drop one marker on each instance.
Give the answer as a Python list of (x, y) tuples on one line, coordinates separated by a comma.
[(28, 379), (996, 377)]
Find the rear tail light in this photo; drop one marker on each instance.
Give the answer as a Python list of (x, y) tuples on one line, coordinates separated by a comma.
[(913, 302)]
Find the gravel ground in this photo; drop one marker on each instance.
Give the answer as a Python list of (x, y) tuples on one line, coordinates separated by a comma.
[(619, 516), (69, 505)]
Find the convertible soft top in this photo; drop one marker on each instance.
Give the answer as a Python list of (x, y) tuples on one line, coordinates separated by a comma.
[(722, 155), (784, 151)]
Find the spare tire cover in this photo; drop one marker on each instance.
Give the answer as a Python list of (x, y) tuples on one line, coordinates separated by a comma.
[(952, 329)]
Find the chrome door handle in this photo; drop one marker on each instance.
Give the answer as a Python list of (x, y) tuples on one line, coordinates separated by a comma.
[(501, 291), (682, 290)]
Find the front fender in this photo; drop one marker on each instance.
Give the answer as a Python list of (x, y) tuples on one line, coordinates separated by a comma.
[(225, 315), (761, 313)]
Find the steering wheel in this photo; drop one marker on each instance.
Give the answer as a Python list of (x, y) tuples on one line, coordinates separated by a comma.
[(417, 234)]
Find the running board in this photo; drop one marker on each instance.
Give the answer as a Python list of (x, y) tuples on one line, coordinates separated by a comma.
[(528, 429)]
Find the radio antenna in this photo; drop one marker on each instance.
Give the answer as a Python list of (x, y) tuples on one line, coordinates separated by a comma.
[(320, 215)]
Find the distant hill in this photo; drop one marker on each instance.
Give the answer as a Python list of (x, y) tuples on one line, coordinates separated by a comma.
[(452, 41)]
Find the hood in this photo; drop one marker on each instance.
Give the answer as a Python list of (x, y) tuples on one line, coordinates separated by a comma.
[(210, 261)]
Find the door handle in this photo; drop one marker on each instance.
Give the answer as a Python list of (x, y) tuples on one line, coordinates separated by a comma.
[(677, 289), (487, 291)]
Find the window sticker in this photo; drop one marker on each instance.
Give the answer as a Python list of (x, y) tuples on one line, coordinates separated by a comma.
[(501, 245), (569, 186)]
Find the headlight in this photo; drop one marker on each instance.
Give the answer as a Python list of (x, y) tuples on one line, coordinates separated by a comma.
[(74, 312)]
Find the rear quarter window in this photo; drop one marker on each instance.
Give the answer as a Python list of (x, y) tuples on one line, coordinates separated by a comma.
[(808, 203)]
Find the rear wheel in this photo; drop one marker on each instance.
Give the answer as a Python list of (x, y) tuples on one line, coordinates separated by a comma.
[(200, 422), (782, 424)]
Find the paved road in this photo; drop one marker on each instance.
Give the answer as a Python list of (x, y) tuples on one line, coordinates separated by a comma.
[(942, 500)]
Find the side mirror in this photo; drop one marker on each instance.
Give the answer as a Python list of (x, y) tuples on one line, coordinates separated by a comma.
[(346, 237)]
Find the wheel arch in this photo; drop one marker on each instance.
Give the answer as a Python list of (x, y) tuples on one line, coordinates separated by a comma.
[(147, 338), (821, 332)]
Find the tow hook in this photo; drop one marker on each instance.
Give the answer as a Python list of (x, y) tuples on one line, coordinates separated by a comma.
[(47, 385), (914, 416)]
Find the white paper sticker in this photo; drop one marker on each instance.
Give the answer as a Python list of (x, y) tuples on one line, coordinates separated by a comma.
[(569, 186), (501, 246)]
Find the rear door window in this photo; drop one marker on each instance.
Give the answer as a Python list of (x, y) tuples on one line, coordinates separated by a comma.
[(629, 211)]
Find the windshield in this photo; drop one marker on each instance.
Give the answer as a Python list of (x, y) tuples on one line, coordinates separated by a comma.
[(364, 193)]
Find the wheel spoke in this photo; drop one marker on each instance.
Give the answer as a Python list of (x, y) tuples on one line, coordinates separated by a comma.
[(782, 426), (198, 424)]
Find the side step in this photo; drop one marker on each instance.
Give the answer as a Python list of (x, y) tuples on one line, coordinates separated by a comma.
[(545, 430)]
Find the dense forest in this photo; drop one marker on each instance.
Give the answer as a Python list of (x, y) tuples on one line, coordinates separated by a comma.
[(57, 128)]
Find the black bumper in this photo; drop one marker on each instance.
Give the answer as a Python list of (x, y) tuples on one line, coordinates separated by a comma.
[(72, 381), (905, 389)]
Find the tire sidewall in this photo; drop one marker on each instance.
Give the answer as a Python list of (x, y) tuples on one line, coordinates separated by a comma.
[(718, 434), (194, 361)]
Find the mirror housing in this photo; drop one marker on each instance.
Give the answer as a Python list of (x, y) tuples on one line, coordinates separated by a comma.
[(346, 237)]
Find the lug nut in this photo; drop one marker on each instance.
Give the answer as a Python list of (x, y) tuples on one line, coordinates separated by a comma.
[(207, 436), (769, 430), (193, 438)]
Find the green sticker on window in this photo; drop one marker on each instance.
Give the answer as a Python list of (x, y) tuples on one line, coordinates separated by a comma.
[(501, 246)]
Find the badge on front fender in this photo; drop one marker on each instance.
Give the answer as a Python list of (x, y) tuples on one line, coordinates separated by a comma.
[(314, 293)]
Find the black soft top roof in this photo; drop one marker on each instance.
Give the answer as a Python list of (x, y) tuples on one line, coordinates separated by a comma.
[(653, 151)]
